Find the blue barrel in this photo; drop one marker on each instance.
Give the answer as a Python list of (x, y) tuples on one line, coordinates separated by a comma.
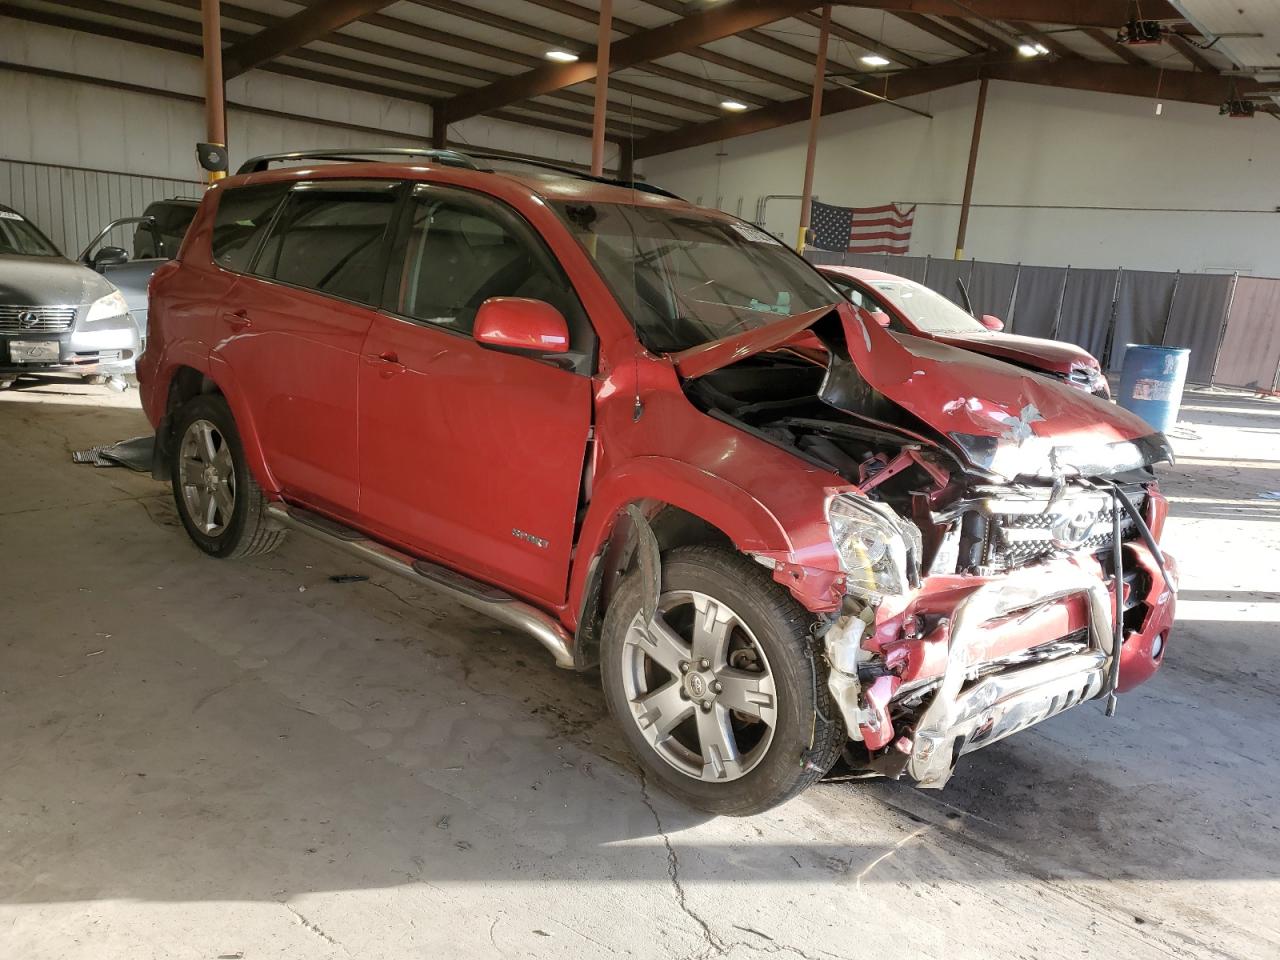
[(1151, 381)]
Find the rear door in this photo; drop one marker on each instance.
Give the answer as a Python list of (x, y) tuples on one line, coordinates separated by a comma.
[(470, 454), (292, 330)]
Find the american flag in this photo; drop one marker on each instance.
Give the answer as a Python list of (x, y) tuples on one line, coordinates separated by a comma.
[(884, 229)]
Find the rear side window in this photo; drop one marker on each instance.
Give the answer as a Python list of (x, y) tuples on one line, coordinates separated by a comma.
[(244, 213), (329, 238)]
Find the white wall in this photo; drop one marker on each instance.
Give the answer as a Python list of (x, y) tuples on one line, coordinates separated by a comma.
[(1043, 149), (135, 137)]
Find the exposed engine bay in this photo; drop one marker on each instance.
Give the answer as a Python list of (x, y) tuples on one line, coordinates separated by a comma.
[(968, 521), (1000, 610)]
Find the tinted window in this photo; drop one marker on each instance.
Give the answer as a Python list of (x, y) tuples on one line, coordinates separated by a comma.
[(329, 238), (242, 218), (19, 236), (459, 251)]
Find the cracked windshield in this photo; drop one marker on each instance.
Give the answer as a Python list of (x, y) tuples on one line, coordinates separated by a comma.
[(686, 278)]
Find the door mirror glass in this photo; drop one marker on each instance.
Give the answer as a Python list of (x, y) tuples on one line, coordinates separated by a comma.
[(880, 317), (991, 323), (109, 257), (521, 324)]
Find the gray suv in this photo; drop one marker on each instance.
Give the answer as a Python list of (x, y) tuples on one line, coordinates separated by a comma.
[(57, 315)]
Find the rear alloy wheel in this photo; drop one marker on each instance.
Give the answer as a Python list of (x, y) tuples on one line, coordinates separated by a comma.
[(208, 477), (220, 504), (719, 695)]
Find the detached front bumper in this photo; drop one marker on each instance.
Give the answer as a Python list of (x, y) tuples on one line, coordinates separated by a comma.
[(999, 657)]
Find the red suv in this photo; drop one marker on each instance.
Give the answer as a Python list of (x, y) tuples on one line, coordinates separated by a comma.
[(658, 441)]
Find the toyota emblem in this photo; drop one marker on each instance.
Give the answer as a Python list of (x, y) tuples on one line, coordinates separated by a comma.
[(28, 319)]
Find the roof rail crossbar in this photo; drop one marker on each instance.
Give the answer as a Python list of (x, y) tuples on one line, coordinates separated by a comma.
[(448, 158), (574, 172)]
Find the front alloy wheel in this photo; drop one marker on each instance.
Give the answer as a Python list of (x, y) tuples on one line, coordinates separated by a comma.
[(699, 687), (722, 696)]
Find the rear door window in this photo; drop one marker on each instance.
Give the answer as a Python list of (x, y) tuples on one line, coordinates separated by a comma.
[(329, 238), (242, 218)]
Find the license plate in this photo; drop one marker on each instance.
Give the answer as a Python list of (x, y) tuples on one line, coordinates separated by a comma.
[(33, 351)]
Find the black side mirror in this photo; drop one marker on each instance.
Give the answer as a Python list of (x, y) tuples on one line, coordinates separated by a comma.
[(109, 257)]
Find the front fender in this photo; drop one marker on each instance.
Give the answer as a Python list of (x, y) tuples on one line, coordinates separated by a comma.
[(740, 516)]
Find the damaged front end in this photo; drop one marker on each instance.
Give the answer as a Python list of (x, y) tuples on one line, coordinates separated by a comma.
[(996, 543)]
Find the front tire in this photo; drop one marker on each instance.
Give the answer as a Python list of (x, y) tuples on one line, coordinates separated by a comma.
[(722, 697), (222, 507)]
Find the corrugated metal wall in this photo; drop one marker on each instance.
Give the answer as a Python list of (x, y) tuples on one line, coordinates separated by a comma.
[(70, 205)]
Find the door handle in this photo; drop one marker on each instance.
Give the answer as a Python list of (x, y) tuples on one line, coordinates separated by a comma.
[(388, 361), (237, 319)]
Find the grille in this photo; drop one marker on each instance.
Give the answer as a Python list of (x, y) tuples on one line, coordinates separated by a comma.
[(1021, 532), (46, 319)]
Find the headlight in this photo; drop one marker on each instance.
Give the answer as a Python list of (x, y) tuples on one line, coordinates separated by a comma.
[(112, 305), (878, 552)]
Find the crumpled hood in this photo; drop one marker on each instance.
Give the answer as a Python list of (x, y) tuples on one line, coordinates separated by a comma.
[(1032, 351), (1002, 419), (49, 281), (997, 418)]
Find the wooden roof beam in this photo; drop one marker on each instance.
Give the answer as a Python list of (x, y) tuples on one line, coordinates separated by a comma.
[(1107, 14), (713, 23), (1191, 53), (1079, 74), (554, 40), (293, 32), (958, 40), (1108, 39), (587, 15)]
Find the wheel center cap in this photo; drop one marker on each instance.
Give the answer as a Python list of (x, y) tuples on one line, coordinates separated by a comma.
[(697, 686)]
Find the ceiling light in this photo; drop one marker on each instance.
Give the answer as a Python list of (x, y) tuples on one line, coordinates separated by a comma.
[(1041, 48), (561, 56), (1028, 50), (875, 60), (732, 105)]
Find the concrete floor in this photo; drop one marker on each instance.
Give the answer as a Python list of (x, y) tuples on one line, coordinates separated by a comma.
[(217, 760)]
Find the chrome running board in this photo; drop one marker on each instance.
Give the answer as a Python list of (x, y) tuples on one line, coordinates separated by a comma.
[(483, 599)]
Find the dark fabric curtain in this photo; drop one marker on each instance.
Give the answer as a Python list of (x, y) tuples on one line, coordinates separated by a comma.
[(1039, 290), (991, 288), (1086, 309), (942, 277), (1251, 346), (816, 256), (870, 261), (1195, 320), (1142, 308)]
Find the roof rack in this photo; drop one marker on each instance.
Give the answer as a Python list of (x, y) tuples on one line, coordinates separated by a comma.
[(448, 158), (574, 172)]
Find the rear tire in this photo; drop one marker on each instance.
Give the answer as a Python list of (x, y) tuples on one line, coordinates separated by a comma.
[(724, 698), (221, 505)]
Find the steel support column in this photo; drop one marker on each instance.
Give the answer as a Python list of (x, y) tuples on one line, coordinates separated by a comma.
[(603, 42), (815, 115), (973, 165), (215, 111)]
